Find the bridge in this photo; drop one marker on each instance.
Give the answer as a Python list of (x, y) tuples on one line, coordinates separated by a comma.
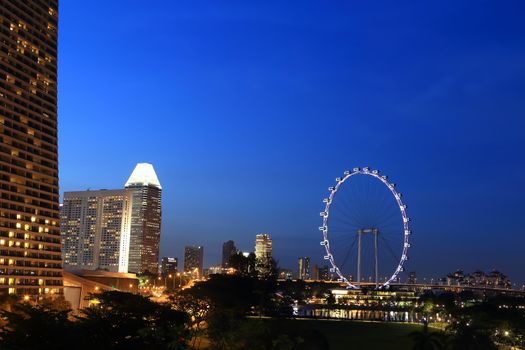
[(421, 287)]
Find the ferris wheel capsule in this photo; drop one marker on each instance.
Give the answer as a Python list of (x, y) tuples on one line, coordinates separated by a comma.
[(347, 172)]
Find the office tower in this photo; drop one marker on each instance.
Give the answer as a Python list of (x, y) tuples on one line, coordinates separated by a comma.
[(145, 219), (30, 257), (168, 265), (304, 268), (193, 259), (95, 227), (263, 254), (228, 249)]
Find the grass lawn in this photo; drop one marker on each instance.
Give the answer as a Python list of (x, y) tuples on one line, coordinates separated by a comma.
[(344, 335)]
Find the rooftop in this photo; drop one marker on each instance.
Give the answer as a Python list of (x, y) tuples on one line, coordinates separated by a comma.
[(143, 175)]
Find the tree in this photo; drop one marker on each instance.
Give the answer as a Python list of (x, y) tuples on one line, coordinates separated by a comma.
[(426, 340), (129, 321), (197, 307), (465, 335), (36, 327)]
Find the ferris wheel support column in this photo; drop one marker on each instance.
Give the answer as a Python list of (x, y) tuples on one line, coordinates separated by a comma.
[(359, 235), (376, 232)]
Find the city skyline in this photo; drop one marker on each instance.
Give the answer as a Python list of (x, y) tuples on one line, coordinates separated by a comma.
[(287, 111)]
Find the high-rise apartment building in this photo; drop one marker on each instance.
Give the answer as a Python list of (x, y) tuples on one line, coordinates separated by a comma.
[(194, 259), (146, 217), (95, 227), (304, 268), (30, 257), (114, 230), (228, 249), (263, 254)]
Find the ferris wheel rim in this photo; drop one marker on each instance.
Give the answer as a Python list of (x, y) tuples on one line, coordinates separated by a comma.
[(326, 214)]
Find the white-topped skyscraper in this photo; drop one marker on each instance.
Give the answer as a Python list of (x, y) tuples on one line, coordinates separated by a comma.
[(146, 216)]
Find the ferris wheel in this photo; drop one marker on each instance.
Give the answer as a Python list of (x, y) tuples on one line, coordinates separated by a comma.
[(365, 229)]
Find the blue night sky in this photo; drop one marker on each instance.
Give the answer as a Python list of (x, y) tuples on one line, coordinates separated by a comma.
[(248, 110)]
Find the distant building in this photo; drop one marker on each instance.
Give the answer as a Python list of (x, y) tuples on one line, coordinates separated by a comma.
[(215, 270), (412, 279), (114, 230), (194, 259), (146, 215), (168, 265), (324, 273), (494, 279), (285, 274), (263, 254), (315, 272), (304, 268), (228, 249)]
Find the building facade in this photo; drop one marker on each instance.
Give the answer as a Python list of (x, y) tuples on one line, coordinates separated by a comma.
[(304, 268), (324, 273), (146, 216), (228, 249), (114, 230), (30, 248), (194, 260), (168, 266), (95, 227), (263, 254)]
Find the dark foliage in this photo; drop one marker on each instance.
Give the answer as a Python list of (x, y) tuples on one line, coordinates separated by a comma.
[(119, 321)]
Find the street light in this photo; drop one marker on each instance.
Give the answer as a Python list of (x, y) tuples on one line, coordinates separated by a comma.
[(165, 280)]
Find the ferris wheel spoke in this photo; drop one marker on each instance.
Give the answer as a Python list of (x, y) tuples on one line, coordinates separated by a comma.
[(349, 252), (394, 255), (348, 209)]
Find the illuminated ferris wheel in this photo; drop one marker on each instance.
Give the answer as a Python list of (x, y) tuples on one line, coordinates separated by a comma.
[(365, 229)]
